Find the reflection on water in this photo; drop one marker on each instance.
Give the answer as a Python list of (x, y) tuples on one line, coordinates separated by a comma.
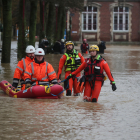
[(115, 116)]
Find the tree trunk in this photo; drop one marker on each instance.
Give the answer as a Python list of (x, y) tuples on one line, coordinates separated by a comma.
[(7, 28), (60, 26), (63, 24), (32, 27), (0, 13), (58, 21), (21, 35), (51, 23), (42, 20)]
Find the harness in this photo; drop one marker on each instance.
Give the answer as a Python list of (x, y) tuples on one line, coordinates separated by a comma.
[(73, 61), (85, 46), (93, 70)]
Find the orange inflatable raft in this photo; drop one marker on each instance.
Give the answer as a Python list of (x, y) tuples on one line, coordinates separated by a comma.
[(38, 91)]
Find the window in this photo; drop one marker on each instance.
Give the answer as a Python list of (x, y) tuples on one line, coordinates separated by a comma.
[(121, 18), (89, 18)]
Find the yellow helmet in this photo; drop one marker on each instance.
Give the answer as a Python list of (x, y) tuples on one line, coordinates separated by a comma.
[(69, 43), (93, 48)]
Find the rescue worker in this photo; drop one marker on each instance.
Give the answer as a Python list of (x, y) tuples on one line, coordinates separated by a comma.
[(21, 66), (44, 44), (102, 47), (57, 47), (39, 72), (84, 47), (72, 59), (93, 75)]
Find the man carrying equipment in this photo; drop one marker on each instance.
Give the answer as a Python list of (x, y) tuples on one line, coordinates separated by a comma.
[(72, 59)]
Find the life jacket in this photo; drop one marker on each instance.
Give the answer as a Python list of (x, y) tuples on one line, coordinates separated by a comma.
[(89, 71), (75, 61), (40, 73), (21, 67), (85, 46)]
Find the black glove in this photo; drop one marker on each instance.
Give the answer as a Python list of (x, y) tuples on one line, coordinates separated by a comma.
[(114, 87), (15, 85)]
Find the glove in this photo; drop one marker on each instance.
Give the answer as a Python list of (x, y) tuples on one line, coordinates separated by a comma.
[(113, 86), (15, 85), (27, 85)]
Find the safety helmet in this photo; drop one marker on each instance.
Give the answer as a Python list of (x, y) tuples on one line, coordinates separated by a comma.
[(93, 48), (39, 51), (62, 40), (69, 43), (84, 40), (30, 49)]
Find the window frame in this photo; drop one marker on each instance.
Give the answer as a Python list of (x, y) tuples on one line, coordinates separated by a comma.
[(124, 13), (87, 13)]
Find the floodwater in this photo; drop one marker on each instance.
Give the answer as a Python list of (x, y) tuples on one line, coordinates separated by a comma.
[(116, 116)]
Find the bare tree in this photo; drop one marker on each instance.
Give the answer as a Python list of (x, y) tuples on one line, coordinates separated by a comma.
[(7, 28), (55, 30), (21, 35), (32, 27)]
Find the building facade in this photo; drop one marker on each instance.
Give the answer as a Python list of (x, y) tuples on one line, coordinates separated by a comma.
[(106, 20)]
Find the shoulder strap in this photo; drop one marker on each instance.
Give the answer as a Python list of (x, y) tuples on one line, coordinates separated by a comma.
[(102, 58)]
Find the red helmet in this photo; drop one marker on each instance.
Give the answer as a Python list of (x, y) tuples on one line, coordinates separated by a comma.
[(84, 40)]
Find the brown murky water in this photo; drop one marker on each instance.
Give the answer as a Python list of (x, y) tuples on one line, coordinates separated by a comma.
[(116, 116)]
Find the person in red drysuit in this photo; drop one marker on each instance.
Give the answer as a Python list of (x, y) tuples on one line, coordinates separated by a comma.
[(84, 47), (93, 75)]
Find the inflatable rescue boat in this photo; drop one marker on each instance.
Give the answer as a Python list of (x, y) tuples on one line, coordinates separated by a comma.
[(38, 91)]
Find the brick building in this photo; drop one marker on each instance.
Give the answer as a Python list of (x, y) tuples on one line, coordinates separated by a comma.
[(107, 20)]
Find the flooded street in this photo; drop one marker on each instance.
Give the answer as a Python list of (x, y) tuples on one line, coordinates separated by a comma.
[(116, 116)]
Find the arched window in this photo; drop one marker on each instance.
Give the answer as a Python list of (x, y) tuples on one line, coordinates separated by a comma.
[(89, 18), (120, 19)]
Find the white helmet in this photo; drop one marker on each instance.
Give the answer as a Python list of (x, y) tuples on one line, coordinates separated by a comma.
[(30, 49), (39, 51)]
